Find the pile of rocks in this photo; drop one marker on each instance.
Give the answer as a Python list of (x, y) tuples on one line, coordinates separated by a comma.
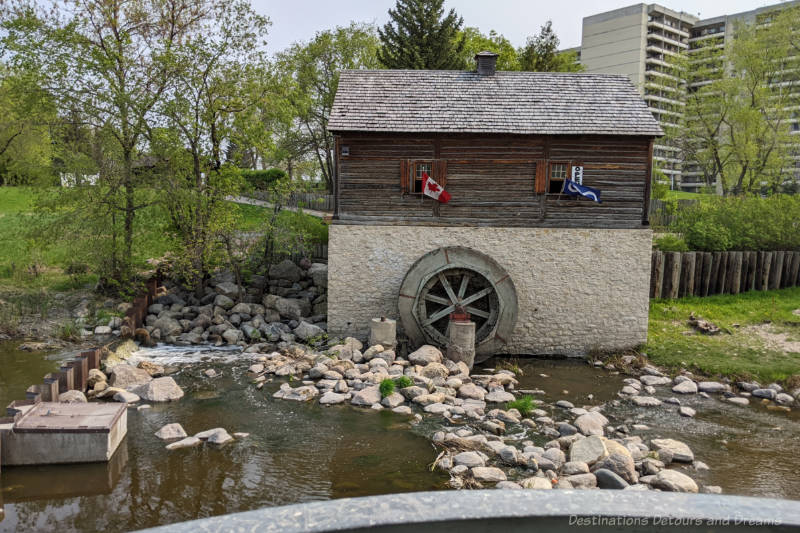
[(294, 307), (483, 441), (180, 439), (129, 384)]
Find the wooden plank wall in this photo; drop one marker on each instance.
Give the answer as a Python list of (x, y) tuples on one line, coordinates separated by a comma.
[(679, 274), (491, 180)]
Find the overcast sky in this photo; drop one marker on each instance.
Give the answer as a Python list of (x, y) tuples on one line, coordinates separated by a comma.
[(298, 20)]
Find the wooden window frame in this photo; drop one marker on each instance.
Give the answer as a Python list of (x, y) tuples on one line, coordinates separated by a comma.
[(408, 174), (568, 174), (415, 163)]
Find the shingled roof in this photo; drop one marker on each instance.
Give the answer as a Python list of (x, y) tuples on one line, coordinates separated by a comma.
[(506, 102)]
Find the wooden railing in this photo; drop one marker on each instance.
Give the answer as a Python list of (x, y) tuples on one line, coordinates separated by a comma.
[(679, 274)]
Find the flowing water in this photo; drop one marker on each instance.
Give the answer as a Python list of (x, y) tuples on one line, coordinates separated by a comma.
[(303, 452)]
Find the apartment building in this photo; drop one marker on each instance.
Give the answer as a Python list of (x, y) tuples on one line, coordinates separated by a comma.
[(637, 41)]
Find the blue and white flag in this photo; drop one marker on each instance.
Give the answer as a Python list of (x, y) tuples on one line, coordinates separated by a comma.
[(573, 189)]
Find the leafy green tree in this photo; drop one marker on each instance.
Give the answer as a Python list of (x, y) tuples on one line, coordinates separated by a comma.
[(475, 41), (309, 77), (540, 53), (420, 36)]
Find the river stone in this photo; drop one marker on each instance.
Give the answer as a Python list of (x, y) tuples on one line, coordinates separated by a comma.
[(537, 483), (102, 330), (488, 473), (159, 390), (306, 331), (738, 400), (591, 423), (319, 274), (402, 410), (588, 450), (413, 391), (151, 368), (655, 380), (686, 411), (471, 391), (232, 335), (294, 308), (435, 370), (572, 468), (72, 396), (128, 377), (223, 301), (685, 387), (424, 355), (188, 442), (393, 400), (784, 399), (468, 459), (564, 404), (171, 431), (620, 464), (126, 397), (499, 396), (583, 481), (645, 401), (256, 368), (712, 386), (287, 270), (367, 397), (95, 376), (679, 450), (240, 308), (298, 394), (229, 290), (607, 479), (674, 481), (770, 394), (220, 437), (428, 399), (508, 485)]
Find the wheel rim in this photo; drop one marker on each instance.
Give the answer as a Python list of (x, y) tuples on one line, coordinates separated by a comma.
[(450, 288)]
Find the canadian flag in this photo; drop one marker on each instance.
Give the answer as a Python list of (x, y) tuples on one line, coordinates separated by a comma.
[(434, 190)]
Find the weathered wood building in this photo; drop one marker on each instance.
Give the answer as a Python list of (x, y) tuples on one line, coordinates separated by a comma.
[(502, 144)]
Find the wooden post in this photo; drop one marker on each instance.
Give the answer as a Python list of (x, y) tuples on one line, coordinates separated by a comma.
[(50, 392), (672, 274), (735, 271), (776, 270), (766, 267), (66, 379), (687, 274), (716, 259), (698, 273), (794, 270), (787, 266), (722, 275), (656, 274), (706, 279), (752, 268)]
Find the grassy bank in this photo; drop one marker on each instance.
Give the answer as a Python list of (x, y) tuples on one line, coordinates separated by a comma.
[(757, 328)]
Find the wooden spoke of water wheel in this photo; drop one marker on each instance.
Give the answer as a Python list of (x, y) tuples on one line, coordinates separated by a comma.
[(452, 289)]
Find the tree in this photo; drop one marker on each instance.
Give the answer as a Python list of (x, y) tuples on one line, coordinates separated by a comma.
[(111, 60), (475, 41), (309, 77), (738, 110), (420, 36), (540, 53)]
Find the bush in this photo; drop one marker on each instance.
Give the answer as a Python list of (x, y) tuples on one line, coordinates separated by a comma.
[(403, 381), (386, 387), (524, 405), (261, 180), (708, 235), (671, 243)]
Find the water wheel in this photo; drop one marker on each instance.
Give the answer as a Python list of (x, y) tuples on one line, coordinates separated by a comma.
[(453, 279)]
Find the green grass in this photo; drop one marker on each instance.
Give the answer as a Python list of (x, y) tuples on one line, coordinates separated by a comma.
[(524, 405), (403, 381), (386, 387), (736, 352)]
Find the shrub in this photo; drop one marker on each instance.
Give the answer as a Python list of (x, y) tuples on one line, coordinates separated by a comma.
[(708, 235), (524, 405), (261, 180), (386, 387), (403, 381), (671, 243)]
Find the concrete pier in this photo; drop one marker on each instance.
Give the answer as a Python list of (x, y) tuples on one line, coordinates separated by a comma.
[(462, 342), (383, 331)]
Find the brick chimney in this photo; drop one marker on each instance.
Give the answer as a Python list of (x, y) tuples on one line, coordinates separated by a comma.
[(486, 63)]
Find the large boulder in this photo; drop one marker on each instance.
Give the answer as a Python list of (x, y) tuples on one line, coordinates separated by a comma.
[(159, 390), (298, 394), (435, 370), (95, 376), (622, 465), (471, 391), (168, 326), (72, 396), (588, 450), (674, 481), (685, 387), (591, 423), (171, 431), (306, 331), (287, 270), (425, 354), (488, 473), (319, 273), (228, 289), (367, 397), (679, 451), (128, 377), (468, 459), (223, 301), (294, 308)]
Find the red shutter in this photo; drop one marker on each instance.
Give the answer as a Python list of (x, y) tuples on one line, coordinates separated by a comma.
[(540, 181), (405, 166), (440, 171)]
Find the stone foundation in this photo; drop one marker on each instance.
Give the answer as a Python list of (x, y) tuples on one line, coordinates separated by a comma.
[(577, 289)]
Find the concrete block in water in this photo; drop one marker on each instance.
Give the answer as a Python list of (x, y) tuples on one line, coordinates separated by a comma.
[(462, 342), (383, 331)]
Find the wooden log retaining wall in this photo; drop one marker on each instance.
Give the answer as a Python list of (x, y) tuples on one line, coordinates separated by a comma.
[(679, 274)]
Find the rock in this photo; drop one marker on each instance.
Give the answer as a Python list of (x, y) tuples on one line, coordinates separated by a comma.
[(188, 442), (685, 387), (240, 308), (393, 400), (572, 468), (712, 489), (645, 401), (620, 464), (674, 481), (95, 376), (126, 397), (510, 455), (229, 290), (210, 373), (588, 450), (171, 431), (537, 483), (564, 404), (332, 398), (468, 459), (298, 394), (128, 377), (508, 485), (240, 435), (294, 308), (102, 330), (319, 274), (306, 331), (428, 399), (738, 400), (488, 473), (151, 368), (606, 479), (679, 450), (256, 368), (712, 386), (499, 396), (591, 423), (583, 481), (72, 396), (287, 270), (232, 335), (566, 429), (168, 326), (686, 411), (435, 370), (159, 390), (402, 410), (471, 391), (769, 394), (367, 397), (784, 399), (220, 437), (424, 355), (205, 435), (655, 380)]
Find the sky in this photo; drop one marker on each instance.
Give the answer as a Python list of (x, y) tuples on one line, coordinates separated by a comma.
[(299, 20)]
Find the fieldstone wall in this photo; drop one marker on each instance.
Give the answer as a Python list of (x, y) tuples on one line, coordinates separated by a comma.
[(577, 289)]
